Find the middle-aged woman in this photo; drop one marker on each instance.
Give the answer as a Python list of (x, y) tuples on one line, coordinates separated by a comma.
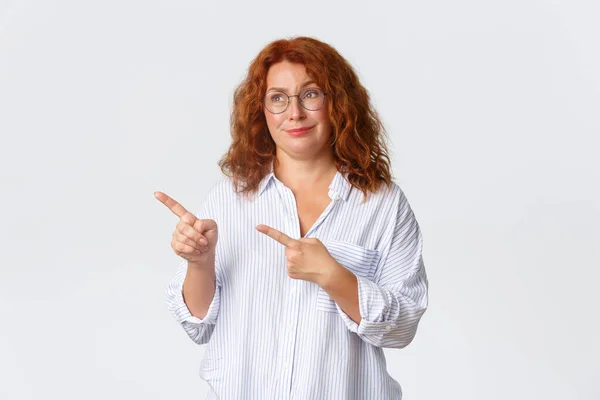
[(305, 260)]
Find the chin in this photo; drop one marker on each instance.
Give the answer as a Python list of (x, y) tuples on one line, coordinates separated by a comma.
[(306, 150)]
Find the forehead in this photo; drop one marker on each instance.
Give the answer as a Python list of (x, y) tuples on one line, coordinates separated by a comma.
[(287, 75)]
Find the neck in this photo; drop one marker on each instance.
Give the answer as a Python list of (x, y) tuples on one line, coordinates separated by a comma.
[(304, 174)]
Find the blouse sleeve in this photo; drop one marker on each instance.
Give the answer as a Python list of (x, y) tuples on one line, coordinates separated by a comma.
[(392, 304)]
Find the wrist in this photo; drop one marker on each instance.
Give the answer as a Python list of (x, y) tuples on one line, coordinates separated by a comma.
[(330, 275), (206, 261), (200, 273)]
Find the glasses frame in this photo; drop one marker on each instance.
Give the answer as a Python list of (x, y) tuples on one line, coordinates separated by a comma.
[(289, 96)]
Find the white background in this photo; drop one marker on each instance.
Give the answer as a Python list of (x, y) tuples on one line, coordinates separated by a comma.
[(493, 114)]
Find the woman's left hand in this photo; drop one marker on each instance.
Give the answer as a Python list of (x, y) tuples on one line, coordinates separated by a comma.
[(307, 259)]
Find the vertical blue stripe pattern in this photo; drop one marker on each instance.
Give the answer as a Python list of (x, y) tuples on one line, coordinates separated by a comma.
[(268, 336)]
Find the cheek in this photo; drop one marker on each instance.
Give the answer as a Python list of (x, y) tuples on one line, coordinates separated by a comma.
[(273, 121), (322, 116), (323, 119)]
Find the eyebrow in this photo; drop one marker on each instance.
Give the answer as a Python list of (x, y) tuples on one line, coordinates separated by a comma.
[(278, 89)]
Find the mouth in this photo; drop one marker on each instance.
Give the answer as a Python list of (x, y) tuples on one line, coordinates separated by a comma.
[(299, 131)]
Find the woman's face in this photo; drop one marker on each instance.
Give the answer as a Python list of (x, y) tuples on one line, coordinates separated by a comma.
[(292, 79)]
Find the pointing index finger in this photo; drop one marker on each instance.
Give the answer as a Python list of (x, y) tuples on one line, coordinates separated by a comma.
[(275, 234), (171, 204)]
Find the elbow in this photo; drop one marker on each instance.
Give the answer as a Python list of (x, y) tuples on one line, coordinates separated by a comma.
[(403, 339), (198, 334), (393, 334), (406, 332), (394, 339)]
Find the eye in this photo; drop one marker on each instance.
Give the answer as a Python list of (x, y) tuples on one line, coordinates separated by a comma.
[(277, 98), (311, 94)]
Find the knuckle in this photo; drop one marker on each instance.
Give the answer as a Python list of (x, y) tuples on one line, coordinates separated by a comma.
[(206, 223), (189, 232), (181, 247), (181, 226), (188, 218)]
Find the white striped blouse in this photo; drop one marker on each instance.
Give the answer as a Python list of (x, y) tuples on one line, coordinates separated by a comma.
[(269, 336)]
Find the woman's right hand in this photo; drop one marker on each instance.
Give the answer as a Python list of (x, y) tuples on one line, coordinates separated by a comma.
[(193, 239)]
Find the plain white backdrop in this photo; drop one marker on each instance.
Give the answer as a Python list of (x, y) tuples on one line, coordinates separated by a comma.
[(492, 109)]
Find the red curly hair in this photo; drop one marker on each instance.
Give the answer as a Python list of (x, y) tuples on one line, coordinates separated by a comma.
[(358, 137)]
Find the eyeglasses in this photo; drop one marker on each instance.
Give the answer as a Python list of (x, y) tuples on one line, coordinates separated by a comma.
[(311, 99)]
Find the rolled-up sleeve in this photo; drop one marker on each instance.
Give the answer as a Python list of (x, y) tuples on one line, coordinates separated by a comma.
[(199, 330), (392, 304)]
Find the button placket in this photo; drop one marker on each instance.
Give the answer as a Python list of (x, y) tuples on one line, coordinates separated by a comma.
[(290, 323), (287, 349), (293, 329), (290, 203)]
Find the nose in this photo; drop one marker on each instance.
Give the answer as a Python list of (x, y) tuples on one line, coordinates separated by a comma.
[(295, 109)]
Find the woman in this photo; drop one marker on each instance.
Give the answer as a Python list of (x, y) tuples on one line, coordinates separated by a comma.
[(306, 259)]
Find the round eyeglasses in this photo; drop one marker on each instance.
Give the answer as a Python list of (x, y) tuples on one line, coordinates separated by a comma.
[(311, 99)]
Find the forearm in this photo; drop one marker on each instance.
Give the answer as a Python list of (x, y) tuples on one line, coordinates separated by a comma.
[(342, 287), (382, 316), (199, 288)]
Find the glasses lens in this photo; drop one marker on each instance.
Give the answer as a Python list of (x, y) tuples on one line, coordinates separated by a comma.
[(312, 98), (276, 102)]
